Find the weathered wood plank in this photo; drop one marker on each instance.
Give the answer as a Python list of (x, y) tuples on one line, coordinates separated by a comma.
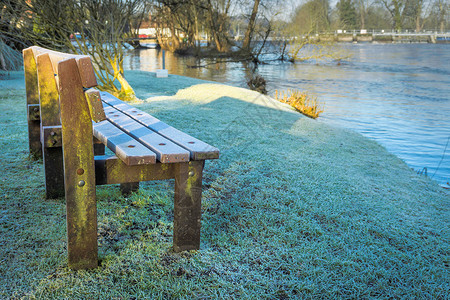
[(79, 169), (31, 81), (112, 170), (187, 206), (95, 105), (31, 86), (48, 92), (166, 151), (130, 151), (198, 149), (50, 117), (85, 67), (87, 73)]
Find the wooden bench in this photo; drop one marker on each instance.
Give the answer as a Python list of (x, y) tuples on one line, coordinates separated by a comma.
[(69, 125)]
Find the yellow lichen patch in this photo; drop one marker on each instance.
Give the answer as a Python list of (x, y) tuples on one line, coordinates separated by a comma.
[(191, 182), (95, 105)]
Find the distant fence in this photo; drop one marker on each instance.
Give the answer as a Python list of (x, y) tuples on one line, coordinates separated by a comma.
[(385, 32), (384, 36), (404, 36)]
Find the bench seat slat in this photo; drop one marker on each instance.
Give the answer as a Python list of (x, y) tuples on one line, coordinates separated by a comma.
[(198, 149), (130, 151), (166, 151)]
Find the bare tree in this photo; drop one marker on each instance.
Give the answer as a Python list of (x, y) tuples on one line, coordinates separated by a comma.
[(309, 48), (418, 10), (397, 10), (303, 44), (443, 11), (363, 6), (251, 26), (218, 20), (165, 19), (436, 15), (183, 19), (98, 28), (312, 16)]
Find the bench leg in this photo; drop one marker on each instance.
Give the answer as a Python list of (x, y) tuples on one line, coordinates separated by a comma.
[(187, 206), (79, 169), (54, 172), (128, 188), (81, 208), (34, 139), (99, 147)]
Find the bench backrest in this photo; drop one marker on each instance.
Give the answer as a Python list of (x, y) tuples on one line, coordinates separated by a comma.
[(55, 84), (51, 77)]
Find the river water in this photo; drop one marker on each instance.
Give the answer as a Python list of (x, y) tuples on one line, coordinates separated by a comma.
[(396, 94)]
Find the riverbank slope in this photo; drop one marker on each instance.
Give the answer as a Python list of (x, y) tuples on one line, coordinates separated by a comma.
[(293, 208)]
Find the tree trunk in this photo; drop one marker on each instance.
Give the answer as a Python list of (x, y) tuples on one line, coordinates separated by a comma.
[(418, 25), (175, 41), (397, 16), (441, 16), (396, 12), (418, 12), (251, 26), (196, 33), (175, 44), (159, 38), (362, 11), (126, 91), (221, 44)]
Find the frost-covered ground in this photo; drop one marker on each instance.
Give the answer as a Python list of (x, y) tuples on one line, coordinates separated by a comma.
[(293, 209)]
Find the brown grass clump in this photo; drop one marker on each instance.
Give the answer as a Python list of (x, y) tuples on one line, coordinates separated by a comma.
[(257, 83), (301, 101)]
